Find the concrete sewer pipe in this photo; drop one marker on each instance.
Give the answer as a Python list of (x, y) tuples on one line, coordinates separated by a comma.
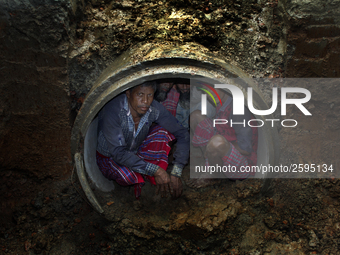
[(151, 62)]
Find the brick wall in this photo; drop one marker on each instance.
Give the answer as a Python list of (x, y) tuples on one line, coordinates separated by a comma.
[(34, 103)]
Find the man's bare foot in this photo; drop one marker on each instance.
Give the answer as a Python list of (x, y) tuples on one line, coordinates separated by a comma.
[(201, 182)]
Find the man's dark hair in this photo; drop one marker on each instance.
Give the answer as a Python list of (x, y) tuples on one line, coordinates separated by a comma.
[(151, 84)]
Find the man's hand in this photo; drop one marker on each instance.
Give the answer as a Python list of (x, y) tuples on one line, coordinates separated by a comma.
[(162, 180), (176, 186)]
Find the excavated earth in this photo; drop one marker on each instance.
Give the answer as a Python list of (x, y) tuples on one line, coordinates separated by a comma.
[(299, 216), (43, 210)]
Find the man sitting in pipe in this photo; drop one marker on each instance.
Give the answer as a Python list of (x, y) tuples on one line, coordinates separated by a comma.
[(224, 145), (130, 148)]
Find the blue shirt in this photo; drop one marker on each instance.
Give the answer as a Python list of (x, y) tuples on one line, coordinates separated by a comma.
[(182, 115), (117, 137)]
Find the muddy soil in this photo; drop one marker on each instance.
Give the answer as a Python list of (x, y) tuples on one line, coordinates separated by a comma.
[(248, 34), (299, 216)]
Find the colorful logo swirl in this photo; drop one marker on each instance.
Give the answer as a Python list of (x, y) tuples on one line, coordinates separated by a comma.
[(208, 92)]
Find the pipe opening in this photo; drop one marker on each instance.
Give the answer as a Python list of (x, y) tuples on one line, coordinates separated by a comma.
[(117, 79)]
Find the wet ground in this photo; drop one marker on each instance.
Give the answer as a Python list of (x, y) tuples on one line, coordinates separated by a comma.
[(298, 216)]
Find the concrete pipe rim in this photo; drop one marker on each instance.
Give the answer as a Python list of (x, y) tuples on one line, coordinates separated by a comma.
[(113, 81)]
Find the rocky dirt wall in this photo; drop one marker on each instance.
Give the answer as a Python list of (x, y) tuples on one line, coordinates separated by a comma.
[(313, 51), (51, 52), (35, 100), (249, 34), (313, 39)]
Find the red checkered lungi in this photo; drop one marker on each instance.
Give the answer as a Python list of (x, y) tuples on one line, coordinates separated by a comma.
[(171, 101), (154, 149)]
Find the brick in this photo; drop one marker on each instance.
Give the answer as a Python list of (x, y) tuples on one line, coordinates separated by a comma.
[(322, 21), (334, 46), (333, 64), (317, 31), (305, 68), (312, 49)]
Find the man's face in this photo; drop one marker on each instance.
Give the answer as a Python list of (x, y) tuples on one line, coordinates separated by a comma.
[(184, 95), (183, 88), (140, 99), (162, 91), (223, 95), (165, 86)]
